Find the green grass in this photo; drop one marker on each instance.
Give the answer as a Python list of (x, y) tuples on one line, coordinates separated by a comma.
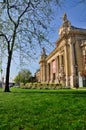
[(24, 109)]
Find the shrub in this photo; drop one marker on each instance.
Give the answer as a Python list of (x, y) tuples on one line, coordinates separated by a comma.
[(22, 85), (44, 85), (28, 85)]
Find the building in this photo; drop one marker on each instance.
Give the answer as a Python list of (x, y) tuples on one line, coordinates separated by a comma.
[(66, 64), (37, 76)]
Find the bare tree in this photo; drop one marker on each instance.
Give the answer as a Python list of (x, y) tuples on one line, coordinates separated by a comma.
[(23, 23)]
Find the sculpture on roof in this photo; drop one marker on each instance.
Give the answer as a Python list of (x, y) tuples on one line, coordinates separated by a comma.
[(64, 18), (66, 22), (43, 54), (43, 51)]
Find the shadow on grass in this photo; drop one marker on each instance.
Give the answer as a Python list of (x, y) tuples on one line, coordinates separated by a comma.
[(48, 91)]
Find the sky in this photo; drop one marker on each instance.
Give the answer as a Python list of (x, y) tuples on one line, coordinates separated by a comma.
[(76, 15)]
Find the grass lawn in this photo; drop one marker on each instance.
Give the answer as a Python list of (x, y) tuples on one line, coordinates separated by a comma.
[(24, 109)]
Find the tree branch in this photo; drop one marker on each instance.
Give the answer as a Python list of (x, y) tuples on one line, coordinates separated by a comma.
[(8, 11), (3, 35), (8, 43), (23, 13)]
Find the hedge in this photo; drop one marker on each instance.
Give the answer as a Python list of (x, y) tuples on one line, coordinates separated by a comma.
[(37, 85)]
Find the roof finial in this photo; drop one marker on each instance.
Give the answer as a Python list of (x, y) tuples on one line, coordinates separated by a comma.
[(43, 51), (64, 18)]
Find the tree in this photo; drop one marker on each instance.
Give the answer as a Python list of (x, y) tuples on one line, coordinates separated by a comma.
[(23, 76), (22, 24)]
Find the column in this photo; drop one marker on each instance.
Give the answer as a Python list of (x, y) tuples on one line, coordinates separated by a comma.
[(48, 72), (72, 64), (57, 68), (59, 62), (44, 72), (51, 75), (66, 65), (41, 72)]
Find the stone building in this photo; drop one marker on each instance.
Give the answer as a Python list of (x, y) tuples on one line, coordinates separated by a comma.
[(66, 64)]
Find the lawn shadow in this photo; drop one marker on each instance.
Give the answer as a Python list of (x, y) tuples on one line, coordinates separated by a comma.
[(49, 91)]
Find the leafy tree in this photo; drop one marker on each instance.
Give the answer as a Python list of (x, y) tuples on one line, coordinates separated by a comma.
[(23, 76), (32, 79), (23, 24)]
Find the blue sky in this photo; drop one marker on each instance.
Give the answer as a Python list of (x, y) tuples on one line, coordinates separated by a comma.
[(76, 15)]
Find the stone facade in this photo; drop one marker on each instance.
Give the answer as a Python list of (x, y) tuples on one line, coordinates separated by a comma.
[(66, 64)]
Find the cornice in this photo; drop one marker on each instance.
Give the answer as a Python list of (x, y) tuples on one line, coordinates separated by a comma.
[(52, 53)]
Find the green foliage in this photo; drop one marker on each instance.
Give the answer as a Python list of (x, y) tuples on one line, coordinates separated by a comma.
[(43, 109), (23, 76)]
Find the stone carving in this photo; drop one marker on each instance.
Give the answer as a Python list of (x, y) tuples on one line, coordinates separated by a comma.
[(43, 51), (66, 22), (64, 18)]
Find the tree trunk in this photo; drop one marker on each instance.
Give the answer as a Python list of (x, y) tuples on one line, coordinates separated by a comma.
[(7, 89)]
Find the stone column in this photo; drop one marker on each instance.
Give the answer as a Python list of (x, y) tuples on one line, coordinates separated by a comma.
[(41, 71), (66, 65), (72, 64), (59, 61), (48, 72), (51, 75), (57, 68), (44, 72)]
